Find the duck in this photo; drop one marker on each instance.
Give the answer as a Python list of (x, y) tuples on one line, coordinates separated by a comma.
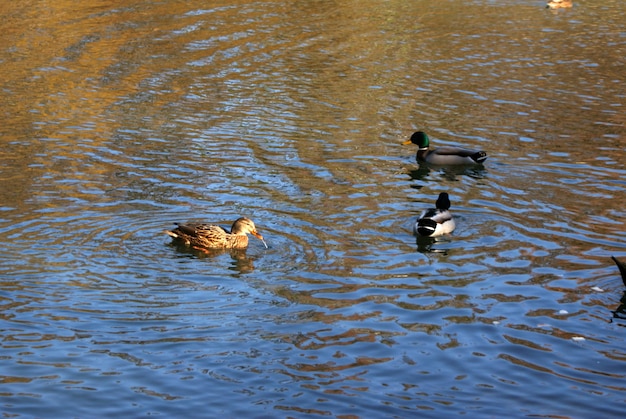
[(622, 268), (436, 221), (444, 156), (209, 236), (558, 4)]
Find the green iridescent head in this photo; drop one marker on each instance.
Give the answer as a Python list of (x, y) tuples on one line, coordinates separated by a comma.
[(420, 139)]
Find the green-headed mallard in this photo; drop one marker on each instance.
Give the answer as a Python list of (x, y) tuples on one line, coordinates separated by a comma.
[(436, 221), (210, 236), (444, 156)]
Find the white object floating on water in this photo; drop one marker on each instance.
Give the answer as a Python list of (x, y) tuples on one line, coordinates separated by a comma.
[(597, 289), (563, 312), (578, 338)]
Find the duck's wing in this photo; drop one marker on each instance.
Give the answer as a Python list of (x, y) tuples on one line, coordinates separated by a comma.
[(429, 213), (210, 230), (477, 155), (453, 151), (181, 231), (441, 216), (189, 230), (433, 217), (201, 230), (434, 223)]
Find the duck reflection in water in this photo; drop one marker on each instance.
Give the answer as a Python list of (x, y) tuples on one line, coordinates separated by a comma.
[(241, 262), (425, 244), (450, 173), (620, 312)]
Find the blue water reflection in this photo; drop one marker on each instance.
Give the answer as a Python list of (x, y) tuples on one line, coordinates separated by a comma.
[(120, 121)]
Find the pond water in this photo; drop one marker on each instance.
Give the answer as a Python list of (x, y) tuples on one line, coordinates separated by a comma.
[(121, 118)]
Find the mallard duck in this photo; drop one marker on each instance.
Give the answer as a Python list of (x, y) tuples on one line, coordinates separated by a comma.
[(622, 268), (557, 4), (436, 221), (215, 237), (445, 156)]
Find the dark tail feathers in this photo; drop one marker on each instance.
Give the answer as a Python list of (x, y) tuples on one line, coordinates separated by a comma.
[(479, 156), (426, 227)]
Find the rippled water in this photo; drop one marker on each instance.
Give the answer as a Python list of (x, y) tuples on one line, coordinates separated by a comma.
[(121, 118)]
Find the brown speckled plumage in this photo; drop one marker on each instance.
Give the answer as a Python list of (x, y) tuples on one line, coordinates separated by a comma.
[(215, 237)]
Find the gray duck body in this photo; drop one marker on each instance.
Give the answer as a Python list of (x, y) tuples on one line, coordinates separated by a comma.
[(444, 156)]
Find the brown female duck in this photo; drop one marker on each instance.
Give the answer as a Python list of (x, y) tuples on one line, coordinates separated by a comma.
[(210, 236)]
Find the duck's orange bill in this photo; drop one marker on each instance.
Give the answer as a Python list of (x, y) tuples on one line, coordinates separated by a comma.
[(258, 236)]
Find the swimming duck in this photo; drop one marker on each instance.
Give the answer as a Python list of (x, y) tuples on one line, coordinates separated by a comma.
[(445, 156), (622, 268), (215, 237), (557, 4), (436, 221)]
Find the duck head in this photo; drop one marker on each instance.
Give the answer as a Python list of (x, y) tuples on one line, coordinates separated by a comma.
[(443, 202), (243, 226), (420, 139)]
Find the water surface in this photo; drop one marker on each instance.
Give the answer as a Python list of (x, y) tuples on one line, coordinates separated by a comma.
[(121, 118)]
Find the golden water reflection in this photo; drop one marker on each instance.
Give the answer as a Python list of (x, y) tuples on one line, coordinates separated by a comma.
[(121, 118)]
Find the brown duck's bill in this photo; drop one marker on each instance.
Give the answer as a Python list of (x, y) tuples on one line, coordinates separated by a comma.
[(258, 236)]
